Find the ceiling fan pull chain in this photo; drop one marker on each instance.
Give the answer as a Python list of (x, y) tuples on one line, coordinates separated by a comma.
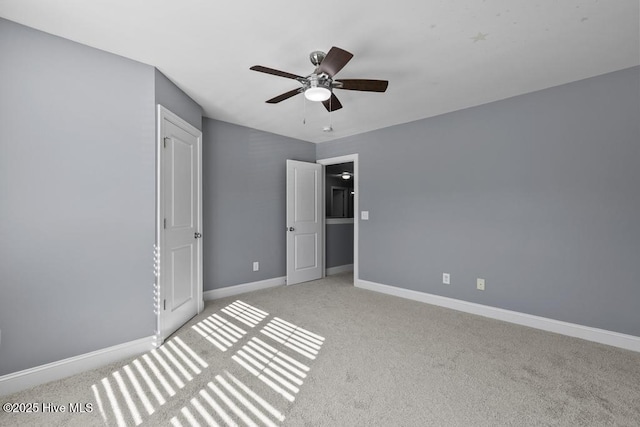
[(304, 109)]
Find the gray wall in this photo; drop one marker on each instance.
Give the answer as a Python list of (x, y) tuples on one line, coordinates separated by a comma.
[(538, 194), (244, 192), (77, 191), (172, 97), (339, 244)]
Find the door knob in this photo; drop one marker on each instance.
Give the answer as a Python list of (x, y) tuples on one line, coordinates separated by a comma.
[(291, 229), (197, 235)]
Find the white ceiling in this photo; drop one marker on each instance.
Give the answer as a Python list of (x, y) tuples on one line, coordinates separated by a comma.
[(438, 55)]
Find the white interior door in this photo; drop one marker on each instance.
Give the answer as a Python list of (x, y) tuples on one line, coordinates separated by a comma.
[(180, 266), (304, 222)]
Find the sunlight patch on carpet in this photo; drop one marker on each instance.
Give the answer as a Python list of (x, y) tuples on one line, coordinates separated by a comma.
[(245, 313), (300, 340), (224, 400), (125, 397), (274, 359), (283, 373), (219, 331)]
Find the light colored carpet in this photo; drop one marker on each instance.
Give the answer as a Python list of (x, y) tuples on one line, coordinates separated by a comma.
[(327, 354)]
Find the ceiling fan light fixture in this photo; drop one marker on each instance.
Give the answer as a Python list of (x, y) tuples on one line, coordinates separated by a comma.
[(346, 175), (317, 90), (317, 94)]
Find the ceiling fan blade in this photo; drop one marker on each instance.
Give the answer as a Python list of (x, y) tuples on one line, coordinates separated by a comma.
[(334, 61), (363, 85), (284, 96), (332, 104), (275, 72)]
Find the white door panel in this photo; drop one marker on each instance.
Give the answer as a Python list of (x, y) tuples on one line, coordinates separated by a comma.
[(306, 256), (180, 277), (305, 194), (182, 185), (181, 267), (304, 222)]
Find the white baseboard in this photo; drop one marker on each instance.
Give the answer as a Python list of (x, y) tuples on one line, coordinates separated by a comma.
[(243, 288), (339, 269), (602, 336), (32, 377)]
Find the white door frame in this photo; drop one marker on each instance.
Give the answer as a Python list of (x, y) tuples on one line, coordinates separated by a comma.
[(162, 114), (356, 212)]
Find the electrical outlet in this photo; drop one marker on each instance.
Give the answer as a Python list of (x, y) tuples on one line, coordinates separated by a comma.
[(256, 266), (480, 284), (446, 278)]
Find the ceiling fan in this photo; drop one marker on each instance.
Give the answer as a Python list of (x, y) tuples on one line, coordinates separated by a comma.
[(319, 85), (346, 175)]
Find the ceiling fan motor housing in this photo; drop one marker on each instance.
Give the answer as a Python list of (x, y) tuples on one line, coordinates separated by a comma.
[(322, 80), (316, 57)]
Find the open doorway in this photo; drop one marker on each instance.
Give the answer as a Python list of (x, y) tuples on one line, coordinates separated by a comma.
[(340, 210), (339, 191)]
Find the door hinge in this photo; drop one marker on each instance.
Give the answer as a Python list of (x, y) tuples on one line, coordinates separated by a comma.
[(164, 304), (165, 223), (165, 141)]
